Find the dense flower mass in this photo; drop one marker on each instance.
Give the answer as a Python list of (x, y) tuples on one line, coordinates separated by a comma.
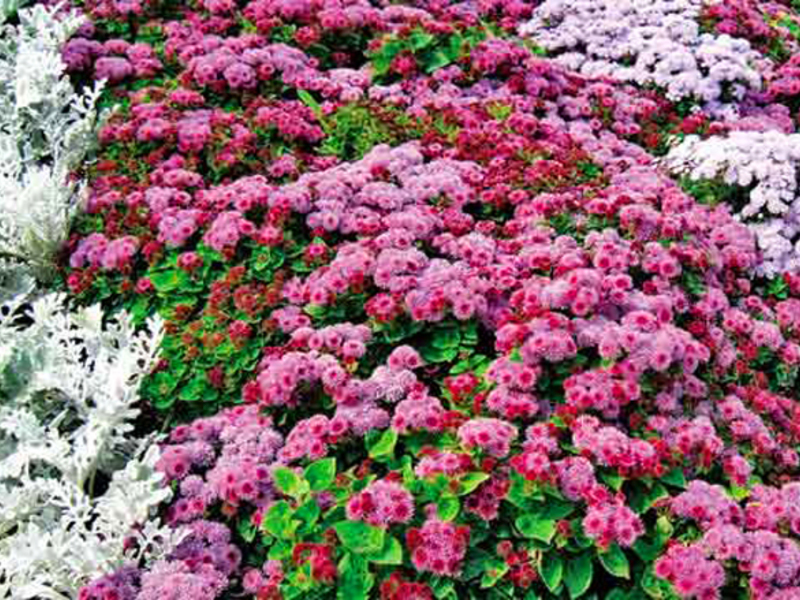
[(462, 299)]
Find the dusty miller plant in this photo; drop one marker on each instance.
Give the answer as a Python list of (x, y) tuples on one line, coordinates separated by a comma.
[(74, 483), (46, 130)]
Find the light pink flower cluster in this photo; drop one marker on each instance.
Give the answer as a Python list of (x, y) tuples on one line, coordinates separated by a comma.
[(95, 250), (610, 447), (443, 463), (492, 436), (691, 573), (612, 522), (438, 546), (707, 504), (382, 503), (224, 458)]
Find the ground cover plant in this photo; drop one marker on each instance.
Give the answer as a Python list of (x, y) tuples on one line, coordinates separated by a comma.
[(494, 299)]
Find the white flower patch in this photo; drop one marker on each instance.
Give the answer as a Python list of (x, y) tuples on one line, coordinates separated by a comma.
[(768, 163), (646, 42)]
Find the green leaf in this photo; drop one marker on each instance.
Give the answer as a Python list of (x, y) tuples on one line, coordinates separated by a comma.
[(278, 520), (470, 481), (647, 551), (247, 530), (309, 512), (420, 39), (739, 493), (360, 537), (447, 508), (289, 482), (384, 446), (311, 103), (675, 478), (579, 574), (556, 509), (614, 480), (494, 570), (168, 281), (356, 580), (518, 493), (437, 60), (551, 570), (390, 554), (615, 562), (321, 474), (538, 529), (655, 587), (438, 355), (195, 389), (446, 337), (443, 587)]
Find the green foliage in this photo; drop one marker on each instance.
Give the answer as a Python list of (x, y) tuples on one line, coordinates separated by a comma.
[(354, 129), (321, 474), (430, 51), (615, 562), (578, 578), (539, 529), (551, 571)]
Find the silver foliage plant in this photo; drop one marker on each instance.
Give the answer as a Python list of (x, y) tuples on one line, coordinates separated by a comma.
[(75, 487), (46, 130)]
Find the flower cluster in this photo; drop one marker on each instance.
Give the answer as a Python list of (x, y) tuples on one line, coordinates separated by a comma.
[(764, 164), (659, 43), (382, 504), (438, 546)]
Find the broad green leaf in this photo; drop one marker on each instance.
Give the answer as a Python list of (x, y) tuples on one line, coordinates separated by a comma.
[(551, 570), (538, 529), (196, 389), (321, 474), (309, 512), (614, 480), (447, 508), (519, 493), (557, 510), (384, 445), (494, 570), (166, 282), (278, 520), (615, 562), (579, 574), (289, 482), (247, 530), (360, 537), (356, 580), (442, 587), (420, 39), (675, 478), (432, 354), (390, 554), (446, 337), (470, 481)]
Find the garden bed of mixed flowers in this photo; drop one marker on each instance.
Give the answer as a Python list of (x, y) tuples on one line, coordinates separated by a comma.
[(484, 299)]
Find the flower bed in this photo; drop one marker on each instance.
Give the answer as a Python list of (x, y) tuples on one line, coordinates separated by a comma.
[(458, 303)]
